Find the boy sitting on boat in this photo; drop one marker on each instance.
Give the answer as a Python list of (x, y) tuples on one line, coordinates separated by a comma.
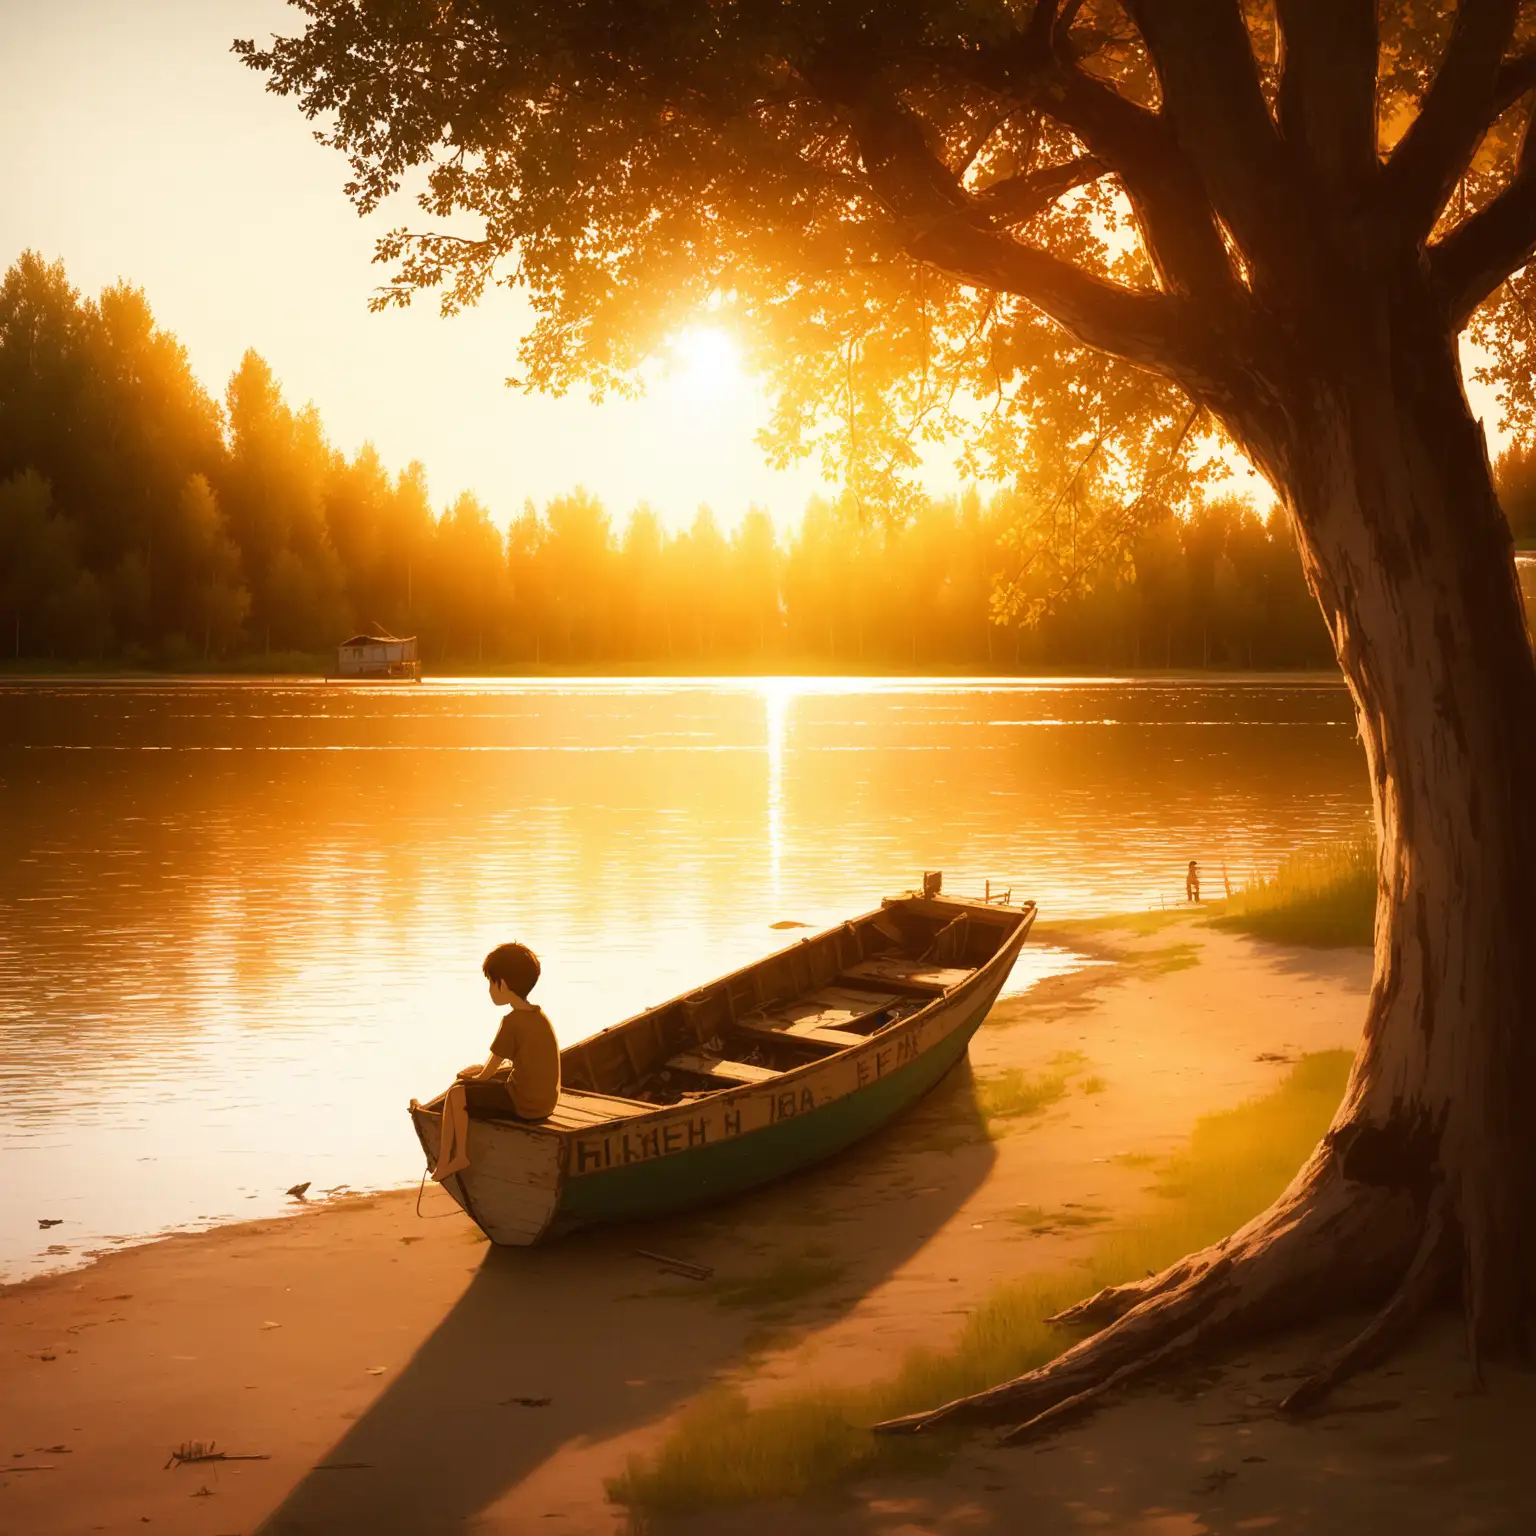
[(523, 1066)]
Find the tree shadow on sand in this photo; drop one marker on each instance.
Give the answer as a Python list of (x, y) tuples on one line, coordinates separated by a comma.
[(612, 1344)]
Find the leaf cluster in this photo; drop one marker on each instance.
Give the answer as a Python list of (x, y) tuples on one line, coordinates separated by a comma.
[(987, 224)]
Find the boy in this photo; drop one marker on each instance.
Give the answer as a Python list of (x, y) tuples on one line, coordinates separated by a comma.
[(525, 1045), (526, 1040)]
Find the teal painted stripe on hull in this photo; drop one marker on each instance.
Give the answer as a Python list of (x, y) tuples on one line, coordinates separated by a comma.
[(667, 1184)]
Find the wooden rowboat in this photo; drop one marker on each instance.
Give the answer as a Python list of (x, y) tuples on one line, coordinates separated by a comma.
[(764, 1071)]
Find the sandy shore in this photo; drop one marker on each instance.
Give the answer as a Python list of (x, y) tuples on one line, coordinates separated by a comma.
[(392, 1373)]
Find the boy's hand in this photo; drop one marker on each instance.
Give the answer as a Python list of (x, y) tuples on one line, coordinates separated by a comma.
[(465, 1073)]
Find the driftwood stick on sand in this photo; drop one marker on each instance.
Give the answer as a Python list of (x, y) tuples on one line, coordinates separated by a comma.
[(194, 1450), (682, 1266)]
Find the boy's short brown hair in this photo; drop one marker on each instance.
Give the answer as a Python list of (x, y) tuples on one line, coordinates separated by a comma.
[(515, 966)]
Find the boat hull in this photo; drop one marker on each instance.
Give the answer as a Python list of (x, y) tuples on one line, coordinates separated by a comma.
[(661, 1185), (529, 1181)]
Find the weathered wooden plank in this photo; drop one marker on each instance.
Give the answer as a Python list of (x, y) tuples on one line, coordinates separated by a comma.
[(855, 1000), (910, 973), (841, 1038), (719, 1066), (606, 1104), (819, 1034)]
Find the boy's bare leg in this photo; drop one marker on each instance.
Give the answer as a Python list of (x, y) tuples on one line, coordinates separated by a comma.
[(453, 1146)]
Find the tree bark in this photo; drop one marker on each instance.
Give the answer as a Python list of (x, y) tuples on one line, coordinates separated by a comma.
[(1405, 545), (1425, 1184)]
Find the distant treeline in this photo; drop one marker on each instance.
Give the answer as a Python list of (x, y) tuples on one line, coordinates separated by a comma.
[(142, 521)]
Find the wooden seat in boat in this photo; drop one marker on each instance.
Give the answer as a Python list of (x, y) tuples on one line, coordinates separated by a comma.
[(839, 1039), (865, 998), (720, 1066), (919, 974), (828, 1010)]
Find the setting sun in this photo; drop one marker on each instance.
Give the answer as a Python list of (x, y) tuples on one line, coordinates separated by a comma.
[(707, 360)]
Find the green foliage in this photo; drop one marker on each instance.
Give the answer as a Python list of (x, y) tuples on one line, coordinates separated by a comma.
[(1323, 896), (726, 1451), (745, 197), (892, 208), (1012, 1093), (1172, 957), (50, 603), (788, 1280), (185, 535)]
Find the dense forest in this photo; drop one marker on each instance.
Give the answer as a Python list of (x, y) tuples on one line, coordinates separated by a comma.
[(143, 522)]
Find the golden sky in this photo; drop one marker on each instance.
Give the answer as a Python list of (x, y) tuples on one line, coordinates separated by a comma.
[(139, 147)]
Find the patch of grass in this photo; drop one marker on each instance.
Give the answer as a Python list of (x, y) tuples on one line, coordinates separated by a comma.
[(1029, 1216), (1323, 896), (791, 1279), (725, 1451), (1174, 957), (1133, 1159), (1142, 924), (1042, 1222), (1008, 1095), (1014, 1093), (1092, 1084)]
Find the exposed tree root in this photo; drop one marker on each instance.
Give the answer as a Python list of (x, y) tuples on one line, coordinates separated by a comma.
[(1175, 1350), (1327, 1243), (1419, 1286)]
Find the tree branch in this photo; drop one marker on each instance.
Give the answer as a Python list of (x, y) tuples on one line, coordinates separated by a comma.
[(1500, 238), (1215, 101), (1019, 198), (977, 142), (1175, 217), (1327, 105), (1516, 76), (940, 223), (1460, 104)]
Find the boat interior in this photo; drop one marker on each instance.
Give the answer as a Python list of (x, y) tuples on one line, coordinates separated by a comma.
[(807, 1002)]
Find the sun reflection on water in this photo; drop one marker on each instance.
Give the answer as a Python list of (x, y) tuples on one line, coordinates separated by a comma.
[(241, 924)]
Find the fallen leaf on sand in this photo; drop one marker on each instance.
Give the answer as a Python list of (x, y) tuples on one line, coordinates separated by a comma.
[(377, 1370), (297, 1190), (270, 1324), (50, 1221), (526, 1402)]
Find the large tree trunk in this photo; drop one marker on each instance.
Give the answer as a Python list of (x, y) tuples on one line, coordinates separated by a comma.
[(1412, 561), (1426, 1182)]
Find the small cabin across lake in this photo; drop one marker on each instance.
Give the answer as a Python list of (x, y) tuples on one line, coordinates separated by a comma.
[(379, 658)]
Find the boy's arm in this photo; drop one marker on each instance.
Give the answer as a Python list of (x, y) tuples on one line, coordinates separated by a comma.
[(487, 1068)]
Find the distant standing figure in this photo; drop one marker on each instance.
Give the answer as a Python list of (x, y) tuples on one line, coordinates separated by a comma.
[(524, 1054), (1192, 882)]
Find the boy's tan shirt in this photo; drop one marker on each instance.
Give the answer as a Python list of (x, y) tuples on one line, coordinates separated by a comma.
[(527, 1039)]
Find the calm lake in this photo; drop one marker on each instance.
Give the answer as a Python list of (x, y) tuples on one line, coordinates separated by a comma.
[(241, 924)]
